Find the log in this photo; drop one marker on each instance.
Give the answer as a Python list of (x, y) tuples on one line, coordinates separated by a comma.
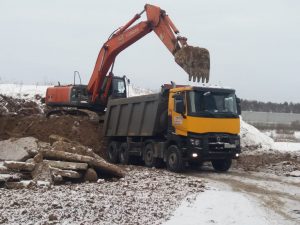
[(65, 173), (107, 167), (13, 165), (67, 156), (96, 163), (67, 165)]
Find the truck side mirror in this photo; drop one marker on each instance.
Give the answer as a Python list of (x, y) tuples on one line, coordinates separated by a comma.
[(238, 106), (179, 104)]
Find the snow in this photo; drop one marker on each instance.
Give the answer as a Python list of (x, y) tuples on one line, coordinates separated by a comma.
[(252, 137), (227, 204), (20, 91), (223, 207), (28, 92), (286, 146)]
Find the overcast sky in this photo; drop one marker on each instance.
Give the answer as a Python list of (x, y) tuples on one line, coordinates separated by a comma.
[(254, 45)]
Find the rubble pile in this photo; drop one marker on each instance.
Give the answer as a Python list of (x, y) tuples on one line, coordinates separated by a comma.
[(13, 106), (29, 162)]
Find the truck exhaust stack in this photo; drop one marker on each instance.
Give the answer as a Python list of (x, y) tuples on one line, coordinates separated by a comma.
[(195, 61)]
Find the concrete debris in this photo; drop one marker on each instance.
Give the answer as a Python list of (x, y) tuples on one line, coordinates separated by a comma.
[(18, 149), (64, 161), (65, 173), (19, 166), (67, 165), (195, 61), (295, 173), (42, 172)]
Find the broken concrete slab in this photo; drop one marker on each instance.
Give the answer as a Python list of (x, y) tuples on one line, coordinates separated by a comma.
[(42, 172), (67, 165), (65, 173), (18, 149), (19, 166)]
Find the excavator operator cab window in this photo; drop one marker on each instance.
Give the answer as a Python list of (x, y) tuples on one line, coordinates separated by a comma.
[(118, 88)]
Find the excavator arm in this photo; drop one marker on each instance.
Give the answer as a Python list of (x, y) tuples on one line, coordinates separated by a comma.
[(157, 21)]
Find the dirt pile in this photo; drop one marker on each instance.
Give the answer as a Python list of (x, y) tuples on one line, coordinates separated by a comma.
[(276, 162), (79, 129), (12, 106), (195, 61)]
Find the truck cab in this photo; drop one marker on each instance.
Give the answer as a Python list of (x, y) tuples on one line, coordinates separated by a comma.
[(205, 124)]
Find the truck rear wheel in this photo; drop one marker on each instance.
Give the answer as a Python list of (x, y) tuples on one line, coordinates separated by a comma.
[(174, 162), (149, 159), (124, 154), (221, 165), (112, 152)]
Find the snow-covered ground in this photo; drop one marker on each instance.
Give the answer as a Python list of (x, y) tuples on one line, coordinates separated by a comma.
[(259, 199)]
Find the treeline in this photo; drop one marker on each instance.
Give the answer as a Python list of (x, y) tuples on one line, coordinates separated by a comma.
[(249, 105)]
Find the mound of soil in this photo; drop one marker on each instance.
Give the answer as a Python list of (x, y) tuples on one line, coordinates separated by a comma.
[(77, 129), (9, 105)]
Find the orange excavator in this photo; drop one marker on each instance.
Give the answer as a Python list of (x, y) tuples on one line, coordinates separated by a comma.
[(103, 84)]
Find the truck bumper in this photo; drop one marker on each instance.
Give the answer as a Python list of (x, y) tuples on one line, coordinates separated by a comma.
[(212, 146)]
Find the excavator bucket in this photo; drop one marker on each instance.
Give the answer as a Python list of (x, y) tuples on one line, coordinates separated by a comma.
[(195, 61)]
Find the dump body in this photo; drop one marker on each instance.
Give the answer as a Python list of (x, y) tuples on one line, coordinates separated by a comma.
[(136, 116)]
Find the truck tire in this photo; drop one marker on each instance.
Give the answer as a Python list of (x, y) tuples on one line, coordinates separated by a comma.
[(221, 165), (112, 152), (149, 159), (174, 161), (124, 154)]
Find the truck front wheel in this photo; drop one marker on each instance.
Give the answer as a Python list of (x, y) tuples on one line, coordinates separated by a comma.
[(112, 152), (124, 154), (174, 162), (221, 165)]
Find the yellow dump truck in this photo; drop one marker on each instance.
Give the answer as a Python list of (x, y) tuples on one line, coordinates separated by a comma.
[(179, 126)]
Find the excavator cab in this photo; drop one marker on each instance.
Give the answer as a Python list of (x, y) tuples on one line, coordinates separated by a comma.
[(118, 88)]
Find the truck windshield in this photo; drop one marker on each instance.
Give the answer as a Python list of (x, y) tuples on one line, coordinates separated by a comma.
[(212, 104)]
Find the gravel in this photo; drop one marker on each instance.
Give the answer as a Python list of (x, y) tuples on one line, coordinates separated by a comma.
[(144, 196)]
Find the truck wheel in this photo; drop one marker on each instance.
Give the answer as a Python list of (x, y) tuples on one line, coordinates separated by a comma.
[(150, 160), (112, 152), (221, 165), (124, 154), (174, 162)]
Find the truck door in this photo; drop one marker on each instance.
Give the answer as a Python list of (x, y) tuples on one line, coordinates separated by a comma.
[(179, 113)]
